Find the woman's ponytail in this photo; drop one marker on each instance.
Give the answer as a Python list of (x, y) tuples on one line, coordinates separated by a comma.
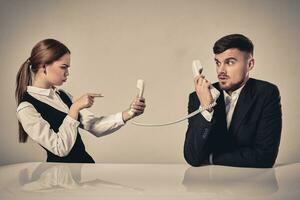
[(22, 81)]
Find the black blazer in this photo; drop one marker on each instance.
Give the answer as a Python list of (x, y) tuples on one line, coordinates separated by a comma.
[(254, 134)]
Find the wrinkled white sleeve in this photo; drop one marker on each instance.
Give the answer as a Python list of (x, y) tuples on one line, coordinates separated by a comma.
[(100, 126), (39, 130)]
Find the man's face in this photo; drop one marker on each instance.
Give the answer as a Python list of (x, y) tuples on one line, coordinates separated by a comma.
[(233, 68)]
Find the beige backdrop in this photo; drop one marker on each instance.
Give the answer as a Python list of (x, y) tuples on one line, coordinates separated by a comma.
[(114, 43)]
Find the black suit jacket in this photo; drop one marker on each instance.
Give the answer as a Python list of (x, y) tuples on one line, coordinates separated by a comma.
[(253, 137)]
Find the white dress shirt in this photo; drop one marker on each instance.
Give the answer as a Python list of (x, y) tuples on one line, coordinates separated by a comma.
[(61, 143), (230, 103)]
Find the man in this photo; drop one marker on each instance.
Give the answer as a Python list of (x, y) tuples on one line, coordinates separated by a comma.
[(244, 128)]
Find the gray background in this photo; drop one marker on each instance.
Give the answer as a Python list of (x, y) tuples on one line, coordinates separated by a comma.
[(113, 43)]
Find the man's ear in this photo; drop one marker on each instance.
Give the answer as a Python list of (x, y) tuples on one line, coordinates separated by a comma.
[(251, 63)]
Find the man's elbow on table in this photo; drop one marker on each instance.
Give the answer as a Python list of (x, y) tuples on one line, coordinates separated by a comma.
[(192, 160)]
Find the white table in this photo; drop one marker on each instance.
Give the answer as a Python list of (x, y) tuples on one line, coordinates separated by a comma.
[(45, 181)]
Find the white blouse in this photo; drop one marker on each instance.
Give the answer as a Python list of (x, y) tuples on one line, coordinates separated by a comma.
[(61, 143)]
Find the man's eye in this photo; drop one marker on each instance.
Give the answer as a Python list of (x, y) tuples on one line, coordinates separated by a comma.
[(230, 62)]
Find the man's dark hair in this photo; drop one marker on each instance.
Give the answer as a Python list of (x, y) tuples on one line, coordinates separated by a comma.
[(237, 41)]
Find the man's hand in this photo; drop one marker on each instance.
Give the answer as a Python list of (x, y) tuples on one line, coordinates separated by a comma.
[(203, 92)]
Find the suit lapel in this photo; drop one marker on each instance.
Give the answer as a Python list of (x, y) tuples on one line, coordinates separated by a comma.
[(220, 113), (245, 101)]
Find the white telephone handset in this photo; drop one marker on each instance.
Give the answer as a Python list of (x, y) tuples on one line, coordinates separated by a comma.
[(197, 70), (140, 84)]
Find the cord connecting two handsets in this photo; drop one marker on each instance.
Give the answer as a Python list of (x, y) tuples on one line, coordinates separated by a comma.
[(197, 70)]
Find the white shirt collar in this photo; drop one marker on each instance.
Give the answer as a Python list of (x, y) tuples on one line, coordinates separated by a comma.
[(234, 94), (41, 91)]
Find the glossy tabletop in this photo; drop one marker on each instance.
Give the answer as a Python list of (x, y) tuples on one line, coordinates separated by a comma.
[(146, 181)]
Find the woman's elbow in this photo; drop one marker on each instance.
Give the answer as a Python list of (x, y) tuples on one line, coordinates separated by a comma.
[(63, 153)]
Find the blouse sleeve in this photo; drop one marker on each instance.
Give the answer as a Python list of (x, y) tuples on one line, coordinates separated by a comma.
[(99, 125), (39, 130)]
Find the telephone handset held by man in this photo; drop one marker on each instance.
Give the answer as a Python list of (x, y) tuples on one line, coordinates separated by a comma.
[(197, 70)]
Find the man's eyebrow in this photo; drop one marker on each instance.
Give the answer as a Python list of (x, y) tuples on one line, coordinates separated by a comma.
[(230, 58), (217, 60), (66, 65)]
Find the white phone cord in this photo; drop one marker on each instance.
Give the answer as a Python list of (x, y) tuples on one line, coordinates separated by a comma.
[(201, 109)]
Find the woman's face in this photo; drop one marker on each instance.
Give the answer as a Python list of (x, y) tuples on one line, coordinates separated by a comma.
[(58, 71)]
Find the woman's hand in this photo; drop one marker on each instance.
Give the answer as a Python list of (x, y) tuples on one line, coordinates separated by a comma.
[(85, 101), (137, 107)]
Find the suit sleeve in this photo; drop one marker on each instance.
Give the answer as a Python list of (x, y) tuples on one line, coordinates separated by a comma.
[(195, 145), (264, 150)]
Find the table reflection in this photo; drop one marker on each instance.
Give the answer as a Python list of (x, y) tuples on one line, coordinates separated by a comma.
[(146, 181), (56, 176), (230, 181)]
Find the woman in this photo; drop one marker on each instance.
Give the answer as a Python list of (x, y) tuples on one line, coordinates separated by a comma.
[(50, 116)]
